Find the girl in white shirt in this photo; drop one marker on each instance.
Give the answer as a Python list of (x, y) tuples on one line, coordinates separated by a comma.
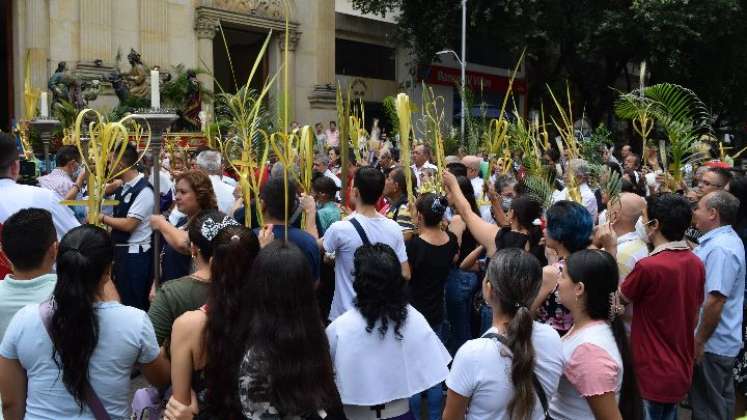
[(598, 379), (490, 380)]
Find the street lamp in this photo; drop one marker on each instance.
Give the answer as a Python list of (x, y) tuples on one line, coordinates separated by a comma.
[(463, 64)]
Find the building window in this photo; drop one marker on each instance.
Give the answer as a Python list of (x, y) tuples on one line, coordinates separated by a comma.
[(364, 60)]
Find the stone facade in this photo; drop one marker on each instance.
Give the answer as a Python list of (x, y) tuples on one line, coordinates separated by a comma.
[(89, 35)]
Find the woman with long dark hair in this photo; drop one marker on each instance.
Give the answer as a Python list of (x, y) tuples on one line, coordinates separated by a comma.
[(598, 378), (206, 346), (194, 193), (80, 343), (383, 349), (286, 367), (189, 292), (492, 376)]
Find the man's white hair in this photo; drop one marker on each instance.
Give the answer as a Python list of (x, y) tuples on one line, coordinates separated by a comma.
[(209, 161)]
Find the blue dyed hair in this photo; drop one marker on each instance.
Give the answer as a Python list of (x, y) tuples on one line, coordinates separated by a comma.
[(570, 224)]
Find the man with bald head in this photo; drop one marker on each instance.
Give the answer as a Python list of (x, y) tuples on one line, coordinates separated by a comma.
[(623, 214)]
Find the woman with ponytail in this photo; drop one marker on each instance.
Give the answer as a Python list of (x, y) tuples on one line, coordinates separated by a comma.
[(493, 377), (598, 378), (432, 255), (82, 342)]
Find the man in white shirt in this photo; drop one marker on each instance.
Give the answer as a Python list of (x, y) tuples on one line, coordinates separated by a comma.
[(473, 164), (366, 225), (321, 165), (580, 169), (131, 233), (210, 162), (421, 156), (16, 197)]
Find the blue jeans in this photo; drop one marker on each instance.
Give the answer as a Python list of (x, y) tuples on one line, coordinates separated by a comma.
[(460, 287), (434, 396), (660, 411)]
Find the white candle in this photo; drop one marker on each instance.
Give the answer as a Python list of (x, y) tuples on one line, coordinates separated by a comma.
[(44, 107), (155, 92)]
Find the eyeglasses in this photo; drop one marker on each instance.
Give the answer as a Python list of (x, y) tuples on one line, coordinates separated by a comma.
[(706, 183)]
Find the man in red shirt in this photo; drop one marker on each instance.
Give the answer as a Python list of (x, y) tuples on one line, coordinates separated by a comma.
[(666, 290)]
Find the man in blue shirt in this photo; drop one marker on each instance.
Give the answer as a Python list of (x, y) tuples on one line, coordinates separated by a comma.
[(273, 199), (718, 337)]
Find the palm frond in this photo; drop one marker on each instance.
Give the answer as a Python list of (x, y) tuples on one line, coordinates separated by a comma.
[(540, 189)]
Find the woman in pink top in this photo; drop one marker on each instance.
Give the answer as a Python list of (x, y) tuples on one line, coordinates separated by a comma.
[(598, 379)]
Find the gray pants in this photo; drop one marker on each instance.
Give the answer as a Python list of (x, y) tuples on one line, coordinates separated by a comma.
[(712, 393)]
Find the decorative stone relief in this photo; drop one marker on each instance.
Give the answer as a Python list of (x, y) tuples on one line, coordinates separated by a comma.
[(206, 27), (265, 8)]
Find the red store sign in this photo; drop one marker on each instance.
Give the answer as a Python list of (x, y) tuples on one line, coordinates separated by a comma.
[(447, 76)]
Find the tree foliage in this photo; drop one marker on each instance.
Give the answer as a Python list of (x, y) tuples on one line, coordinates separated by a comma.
[(591, 43)]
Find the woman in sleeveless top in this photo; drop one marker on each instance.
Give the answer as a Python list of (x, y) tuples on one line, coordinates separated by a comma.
[(194, 193), (207, 340)]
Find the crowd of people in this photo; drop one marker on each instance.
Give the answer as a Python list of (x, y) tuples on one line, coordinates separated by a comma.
[(475, 301)]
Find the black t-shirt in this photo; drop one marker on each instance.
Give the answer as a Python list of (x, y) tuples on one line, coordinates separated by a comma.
[(506, 238), (469, 243), (430, 266)]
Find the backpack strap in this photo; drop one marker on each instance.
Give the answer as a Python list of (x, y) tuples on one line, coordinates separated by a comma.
[(92, 400), (537, 385), (358, 228)]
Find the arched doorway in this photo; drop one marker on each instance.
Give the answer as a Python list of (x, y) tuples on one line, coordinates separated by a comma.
[(242, 46)]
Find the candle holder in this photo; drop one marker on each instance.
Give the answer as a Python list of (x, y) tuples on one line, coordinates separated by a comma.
[(45, 126), (159, 121)]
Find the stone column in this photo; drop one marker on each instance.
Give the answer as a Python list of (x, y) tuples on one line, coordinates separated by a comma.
[(205, 28), (291, 66), (37, 41), (154, 32), (96, 31), (323, 95)]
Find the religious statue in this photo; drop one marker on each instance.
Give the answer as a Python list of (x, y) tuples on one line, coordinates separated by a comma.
[(90, 90), (137, 78), (67, 89), (61, 83), (119, 85), (193, 100)]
